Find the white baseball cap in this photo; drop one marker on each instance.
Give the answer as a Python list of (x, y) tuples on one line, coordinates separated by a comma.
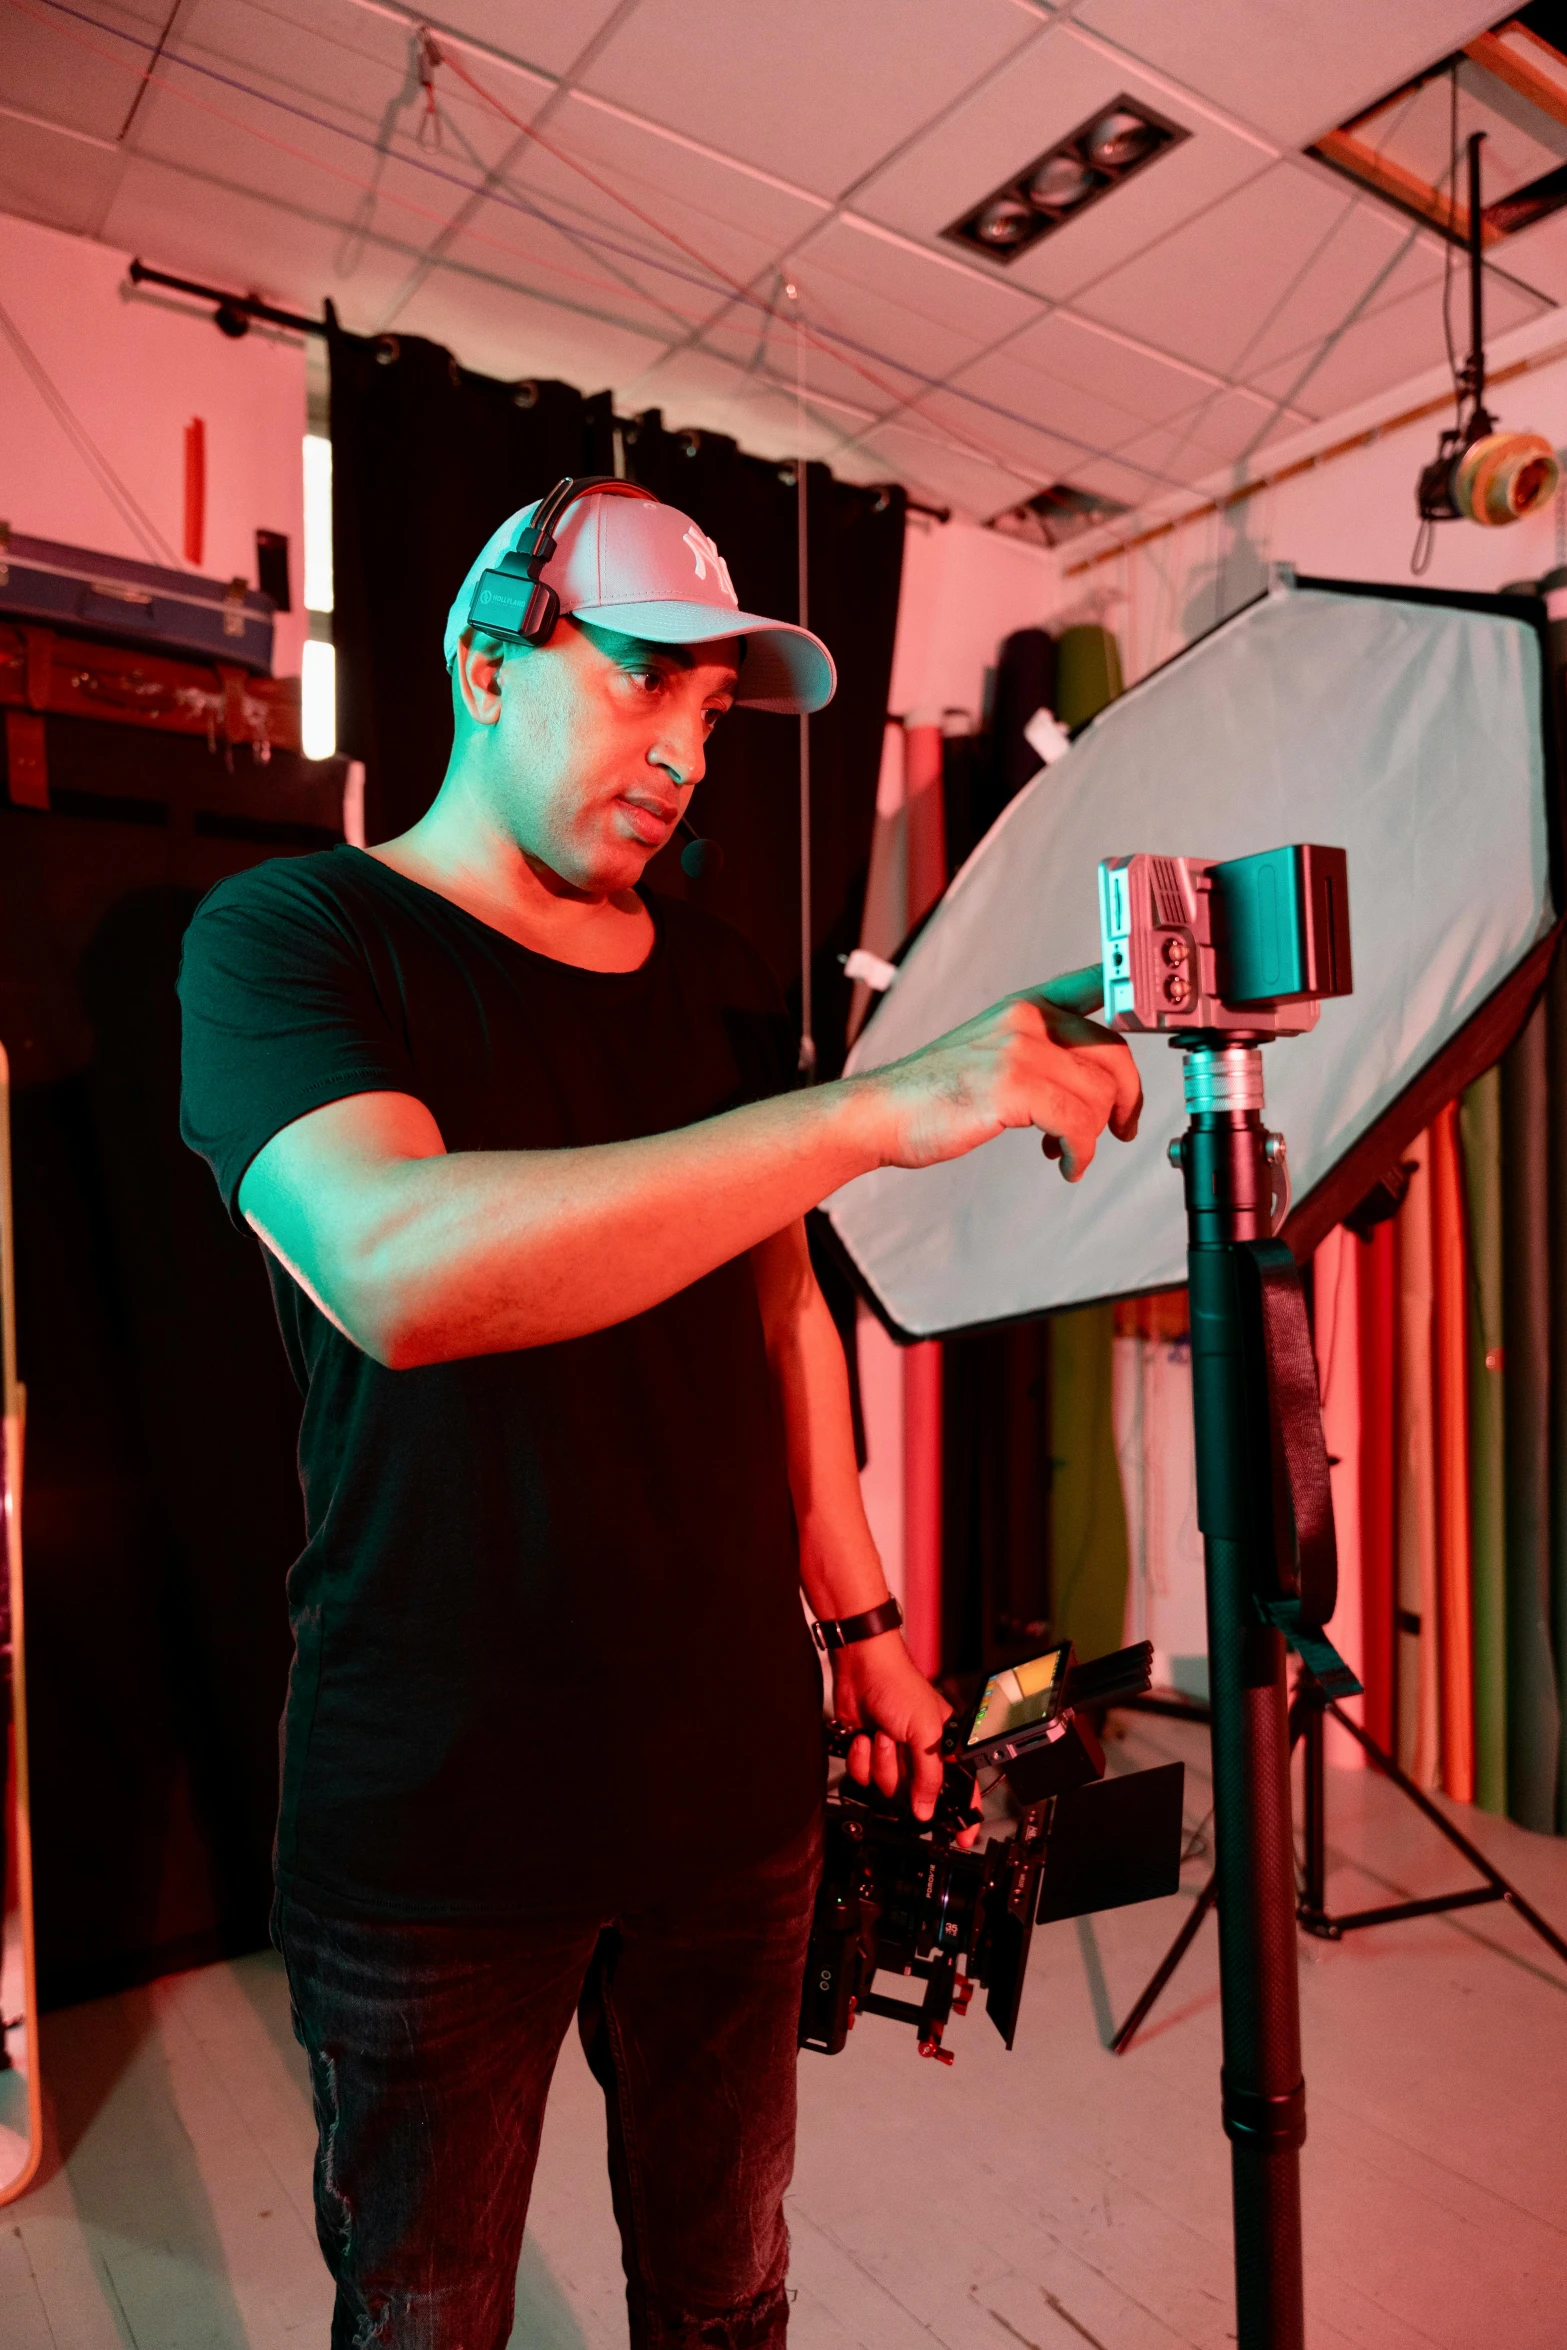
[(644, 569)]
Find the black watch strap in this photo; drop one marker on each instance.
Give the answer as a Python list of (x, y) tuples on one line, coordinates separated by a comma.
[(845, 1630)]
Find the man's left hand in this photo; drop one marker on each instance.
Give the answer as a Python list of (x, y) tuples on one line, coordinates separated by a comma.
[(877, 1683)]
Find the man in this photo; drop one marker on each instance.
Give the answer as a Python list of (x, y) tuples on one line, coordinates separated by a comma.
[(520, 1142)]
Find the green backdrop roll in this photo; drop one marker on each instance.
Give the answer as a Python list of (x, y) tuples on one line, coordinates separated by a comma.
[(1088, 1546), (1480, 1125), (1088, 673), (1533, 1714)]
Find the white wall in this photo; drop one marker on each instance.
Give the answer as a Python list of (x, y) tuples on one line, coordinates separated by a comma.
[(964, 590), (134, 372)]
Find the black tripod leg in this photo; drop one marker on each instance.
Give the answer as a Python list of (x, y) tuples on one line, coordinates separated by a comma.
[(1306, 1724), (1263, 2093), (1166, 1968), (1502, 1886)]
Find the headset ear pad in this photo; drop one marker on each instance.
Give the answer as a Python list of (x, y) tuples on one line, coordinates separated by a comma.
[(539, 616)]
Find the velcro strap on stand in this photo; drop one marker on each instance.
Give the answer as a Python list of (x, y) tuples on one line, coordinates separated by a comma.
[(1306, 1548), (1272, 2124)]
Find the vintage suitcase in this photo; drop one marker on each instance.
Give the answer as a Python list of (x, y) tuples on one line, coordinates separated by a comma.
[(43, 672), (177, 612)]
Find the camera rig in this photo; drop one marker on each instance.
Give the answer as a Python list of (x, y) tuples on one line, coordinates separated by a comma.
[(899, 1897)]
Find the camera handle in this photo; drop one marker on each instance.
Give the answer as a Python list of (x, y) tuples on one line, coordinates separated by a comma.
[(1227, 1161)]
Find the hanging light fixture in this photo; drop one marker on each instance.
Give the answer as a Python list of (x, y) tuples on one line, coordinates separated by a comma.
[(1480, 474)]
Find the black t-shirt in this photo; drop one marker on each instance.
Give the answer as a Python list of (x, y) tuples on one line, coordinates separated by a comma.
[(548, 1639)]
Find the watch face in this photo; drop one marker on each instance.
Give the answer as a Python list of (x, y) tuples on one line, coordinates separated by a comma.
[(1014, 1699)]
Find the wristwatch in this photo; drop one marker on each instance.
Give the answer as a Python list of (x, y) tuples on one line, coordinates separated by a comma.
[(843, 1631)]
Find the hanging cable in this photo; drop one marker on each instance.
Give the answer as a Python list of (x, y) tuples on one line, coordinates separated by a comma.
[(802, 501), (133, 515), (1447, 245)]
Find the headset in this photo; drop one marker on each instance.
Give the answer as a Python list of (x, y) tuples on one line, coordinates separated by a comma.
[(513, 603)]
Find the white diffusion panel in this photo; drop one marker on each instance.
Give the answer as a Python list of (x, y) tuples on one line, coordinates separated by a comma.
[(1408, 734)]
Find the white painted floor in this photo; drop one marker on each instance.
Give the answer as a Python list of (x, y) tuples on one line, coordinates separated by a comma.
[(1055, 2198)]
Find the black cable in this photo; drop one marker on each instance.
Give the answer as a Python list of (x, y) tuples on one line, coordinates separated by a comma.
[(1447, 249)]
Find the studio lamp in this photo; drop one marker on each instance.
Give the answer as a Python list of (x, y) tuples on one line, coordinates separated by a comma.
[(1480, 474)]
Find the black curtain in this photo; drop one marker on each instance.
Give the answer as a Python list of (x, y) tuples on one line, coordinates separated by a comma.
[(427, 459), (161, 1507)]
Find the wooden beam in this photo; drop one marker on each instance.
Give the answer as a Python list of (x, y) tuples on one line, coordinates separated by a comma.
[(1510, 65), (1404, 187)]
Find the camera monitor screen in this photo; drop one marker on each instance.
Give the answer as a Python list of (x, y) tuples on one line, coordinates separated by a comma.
[(1017, 1698), (1406, 729)]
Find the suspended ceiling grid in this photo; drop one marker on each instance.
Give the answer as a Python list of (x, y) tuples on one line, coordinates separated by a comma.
[(690, 161)]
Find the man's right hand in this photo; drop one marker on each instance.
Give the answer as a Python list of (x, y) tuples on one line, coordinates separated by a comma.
[(420, 1257), (1032, 1060)]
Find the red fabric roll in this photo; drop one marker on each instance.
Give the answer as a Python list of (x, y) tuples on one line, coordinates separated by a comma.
[(1455, 1651), (1378, 1289)]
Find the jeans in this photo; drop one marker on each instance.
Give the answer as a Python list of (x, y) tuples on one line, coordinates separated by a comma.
[(431, 2047)]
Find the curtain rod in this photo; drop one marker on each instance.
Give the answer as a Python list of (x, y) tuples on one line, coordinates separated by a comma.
[(233, 313)]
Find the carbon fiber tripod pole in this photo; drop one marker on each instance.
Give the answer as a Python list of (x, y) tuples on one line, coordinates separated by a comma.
[(1227, 1164)]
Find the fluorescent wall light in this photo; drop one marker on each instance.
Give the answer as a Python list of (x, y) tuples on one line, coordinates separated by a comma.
[(318, 523), (318, 700)]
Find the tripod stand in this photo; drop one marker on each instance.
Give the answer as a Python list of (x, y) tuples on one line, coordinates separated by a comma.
[(1238, 1277), (1308, 1711)]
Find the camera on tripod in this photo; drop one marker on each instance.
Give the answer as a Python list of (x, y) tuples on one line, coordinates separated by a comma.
[(1248, 944), (898, 1897)]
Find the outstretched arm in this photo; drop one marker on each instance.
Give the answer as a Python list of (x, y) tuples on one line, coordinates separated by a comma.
[(422, 1256)]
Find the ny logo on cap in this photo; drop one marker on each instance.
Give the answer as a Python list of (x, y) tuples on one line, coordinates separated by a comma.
[(704, 552)]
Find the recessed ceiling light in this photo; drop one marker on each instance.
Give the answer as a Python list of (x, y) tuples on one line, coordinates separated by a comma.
[(1116, 140), (1064, 180), (1119, 138), (1008, 221)]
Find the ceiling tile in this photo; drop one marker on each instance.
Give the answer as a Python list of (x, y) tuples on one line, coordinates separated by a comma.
[(1222, 428), (816, 91), (70, 74), (1282, 261), (1001, 400), (336, 82), (1070, 349), (1039, 97), (883, 321), (65, 182), (949, 476), (732, 222), (501, 244), (1377, 353), (919, 305), (1293, 71), (551, 38)]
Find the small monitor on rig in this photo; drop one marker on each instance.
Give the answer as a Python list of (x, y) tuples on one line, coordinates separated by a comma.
[(1021, 1695)]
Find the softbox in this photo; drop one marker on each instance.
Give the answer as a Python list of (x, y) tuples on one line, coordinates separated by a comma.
[(1410, 728)]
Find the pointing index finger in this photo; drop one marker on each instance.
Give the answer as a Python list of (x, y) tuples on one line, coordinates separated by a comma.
[(1074, 991)]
